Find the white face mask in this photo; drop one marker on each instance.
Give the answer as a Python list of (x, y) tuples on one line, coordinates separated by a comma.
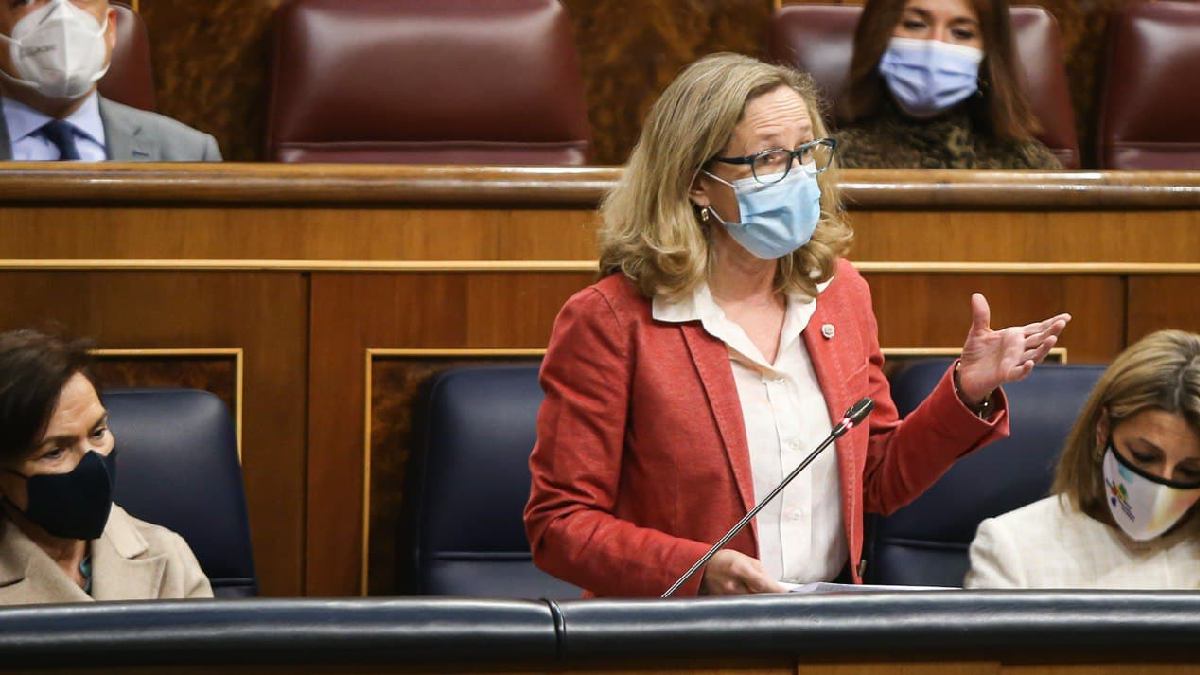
[(58, 50), (1144, 506)]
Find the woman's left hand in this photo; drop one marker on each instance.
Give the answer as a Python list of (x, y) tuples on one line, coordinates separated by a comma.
[(991, 358)]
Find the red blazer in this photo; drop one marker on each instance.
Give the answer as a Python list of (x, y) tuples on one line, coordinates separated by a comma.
[(641, 461)]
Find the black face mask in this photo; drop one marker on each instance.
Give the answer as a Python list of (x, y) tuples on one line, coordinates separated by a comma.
[(76, 504)]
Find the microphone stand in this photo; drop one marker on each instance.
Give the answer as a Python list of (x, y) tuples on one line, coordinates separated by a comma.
[(853, 416)]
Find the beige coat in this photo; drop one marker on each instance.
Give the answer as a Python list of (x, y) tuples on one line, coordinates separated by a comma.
[(1051, 544), (132, 560)]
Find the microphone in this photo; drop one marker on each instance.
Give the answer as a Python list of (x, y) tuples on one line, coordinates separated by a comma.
[(853, 417)]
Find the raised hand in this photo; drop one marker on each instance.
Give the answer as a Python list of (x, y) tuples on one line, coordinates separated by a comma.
[(991, 358)]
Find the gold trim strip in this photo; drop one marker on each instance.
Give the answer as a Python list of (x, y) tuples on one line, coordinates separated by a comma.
[(461, 266), (371, 354), (237, 353)]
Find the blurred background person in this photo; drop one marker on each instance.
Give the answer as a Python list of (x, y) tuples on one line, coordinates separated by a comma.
[(1122, 510), (61, 537), (934, 84), (52, 54), (727, 335)]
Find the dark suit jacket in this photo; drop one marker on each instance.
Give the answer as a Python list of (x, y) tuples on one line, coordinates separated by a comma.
[(642, 462), (133, 135)]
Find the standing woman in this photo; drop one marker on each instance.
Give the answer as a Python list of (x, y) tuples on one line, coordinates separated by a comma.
[(934, 84), (726, 336)]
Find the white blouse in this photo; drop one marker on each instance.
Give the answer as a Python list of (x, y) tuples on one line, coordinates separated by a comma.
[(800, 535), (1051, 544)]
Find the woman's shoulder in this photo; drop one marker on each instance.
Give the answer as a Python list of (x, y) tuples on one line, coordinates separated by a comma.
[(158, 540), (1052, 518), (613, 293)]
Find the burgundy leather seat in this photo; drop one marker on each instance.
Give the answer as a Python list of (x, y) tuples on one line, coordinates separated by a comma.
[(130, 79), (1150, 105), (820, 39), (414, 81)]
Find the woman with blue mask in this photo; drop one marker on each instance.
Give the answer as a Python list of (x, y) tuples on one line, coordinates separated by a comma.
[(1122, 512), (726, 337), (61, 537), (933, 85)]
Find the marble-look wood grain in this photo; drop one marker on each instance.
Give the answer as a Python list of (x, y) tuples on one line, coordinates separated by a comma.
[(215, 374), (630, 52), (211, 67)]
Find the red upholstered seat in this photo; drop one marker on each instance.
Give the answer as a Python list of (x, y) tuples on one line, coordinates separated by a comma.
[(129, 79), (1150, 106), (820, 39), (420, 81)]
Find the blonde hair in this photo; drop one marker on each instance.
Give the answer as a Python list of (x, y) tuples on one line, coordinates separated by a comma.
[(652, 232), (1161, 372)]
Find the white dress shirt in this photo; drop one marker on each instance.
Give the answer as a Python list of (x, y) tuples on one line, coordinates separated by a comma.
[(1050, 544), (30, 146), (800, 534)]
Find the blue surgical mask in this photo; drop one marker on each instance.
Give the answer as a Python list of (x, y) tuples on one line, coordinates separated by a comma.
[(777, 219), (927, 77)]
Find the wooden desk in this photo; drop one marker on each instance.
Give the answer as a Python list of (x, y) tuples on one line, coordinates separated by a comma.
[(316, 298)]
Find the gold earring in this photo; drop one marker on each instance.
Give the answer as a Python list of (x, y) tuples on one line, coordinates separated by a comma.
[(704, 214)]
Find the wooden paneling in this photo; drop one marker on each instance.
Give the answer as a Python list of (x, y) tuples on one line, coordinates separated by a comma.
[(264, 314), (1157, 302), (308, 268), (298, 213), (352, 313), (935, 311)]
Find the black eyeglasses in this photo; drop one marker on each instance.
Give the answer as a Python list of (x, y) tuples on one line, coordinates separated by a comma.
[(771, 166)]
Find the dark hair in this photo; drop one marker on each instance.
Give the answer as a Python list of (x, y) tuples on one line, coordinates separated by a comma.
[(1003, 109), (34, 368)]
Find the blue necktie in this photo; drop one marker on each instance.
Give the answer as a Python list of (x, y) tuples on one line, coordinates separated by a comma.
[(62, 135)]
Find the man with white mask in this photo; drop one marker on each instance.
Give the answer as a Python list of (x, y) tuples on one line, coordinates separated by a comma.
[(52, 54)]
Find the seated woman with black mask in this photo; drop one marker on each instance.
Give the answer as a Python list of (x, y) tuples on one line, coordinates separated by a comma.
[(61, 537)]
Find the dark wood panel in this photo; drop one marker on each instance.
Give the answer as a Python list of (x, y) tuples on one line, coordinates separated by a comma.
[(215, 374), (264, 314), (1158, 302)]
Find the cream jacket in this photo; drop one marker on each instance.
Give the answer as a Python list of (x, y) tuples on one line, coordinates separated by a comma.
[(132, 560), (1050, 544)]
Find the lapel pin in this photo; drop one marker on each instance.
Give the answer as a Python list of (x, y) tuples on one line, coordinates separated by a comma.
[(827, 331)]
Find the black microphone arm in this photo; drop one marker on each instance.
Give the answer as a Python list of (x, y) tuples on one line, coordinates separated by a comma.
[(856, 414)]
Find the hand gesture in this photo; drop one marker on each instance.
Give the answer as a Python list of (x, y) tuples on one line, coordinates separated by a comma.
[(991, 358)]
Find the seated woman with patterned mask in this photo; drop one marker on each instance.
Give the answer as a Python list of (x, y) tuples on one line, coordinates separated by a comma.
[(1122, 512)]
